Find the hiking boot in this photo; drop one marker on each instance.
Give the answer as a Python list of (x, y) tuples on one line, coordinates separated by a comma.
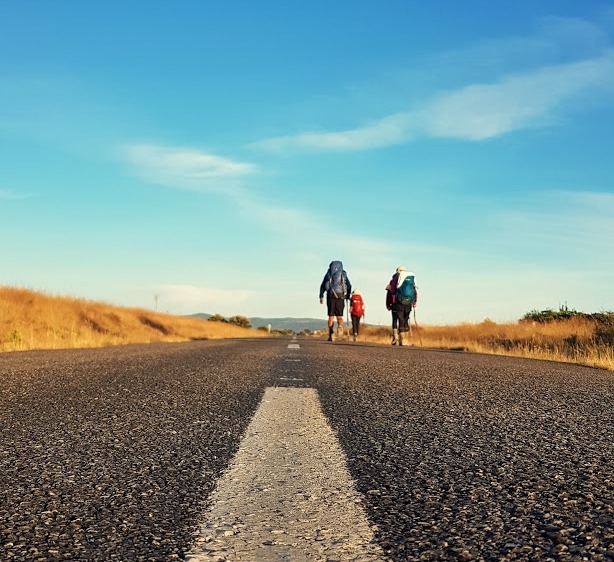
[(355, 336), (401, 338), (395, 334), (339, 331), (330, 338)]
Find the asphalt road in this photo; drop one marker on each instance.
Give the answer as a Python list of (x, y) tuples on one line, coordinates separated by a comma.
[(110, 454)]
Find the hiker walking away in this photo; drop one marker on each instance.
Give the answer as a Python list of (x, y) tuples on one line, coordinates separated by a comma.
[(391, 291), (357, 311), (337, 287), (402, 294)]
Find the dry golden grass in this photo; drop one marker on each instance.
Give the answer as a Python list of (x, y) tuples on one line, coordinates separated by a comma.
[(571, 341), (32, 320)]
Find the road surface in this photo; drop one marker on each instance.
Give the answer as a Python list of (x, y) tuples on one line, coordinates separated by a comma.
[(140, 453)]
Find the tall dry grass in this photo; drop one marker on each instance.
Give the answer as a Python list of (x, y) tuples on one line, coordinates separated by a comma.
[(33, 320), (577, 340)]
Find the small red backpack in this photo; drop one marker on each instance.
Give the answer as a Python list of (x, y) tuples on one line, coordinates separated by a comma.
[(357, 305)]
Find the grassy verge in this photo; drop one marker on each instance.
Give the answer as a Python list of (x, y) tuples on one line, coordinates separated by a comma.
[(31, 320), (575, 340)]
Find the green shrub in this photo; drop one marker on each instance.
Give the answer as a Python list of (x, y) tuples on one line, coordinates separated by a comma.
[(242, 321), (604, 331), (217, 317), (15, 338)]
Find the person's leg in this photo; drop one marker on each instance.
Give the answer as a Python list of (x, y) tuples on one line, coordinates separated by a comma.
[(331, 321), (339, 306), (395, 319), (331, 317), (395, 326), (355, 326), (404, 324)]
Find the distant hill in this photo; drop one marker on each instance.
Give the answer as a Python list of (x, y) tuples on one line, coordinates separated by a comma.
[(295, 324)]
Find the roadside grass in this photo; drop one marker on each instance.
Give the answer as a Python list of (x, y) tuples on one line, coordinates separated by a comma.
[(34, 320), (575, 340)]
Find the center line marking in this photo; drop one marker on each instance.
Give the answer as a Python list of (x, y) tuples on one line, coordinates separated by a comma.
[(287, 494), (294, 346)]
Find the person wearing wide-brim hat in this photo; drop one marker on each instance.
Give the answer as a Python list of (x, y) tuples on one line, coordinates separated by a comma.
[(400, 311)]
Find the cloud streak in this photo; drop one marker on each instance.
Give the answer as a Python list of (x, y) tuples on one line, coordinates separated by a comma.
[(579, 225), (10, 195), (474, 113), (192, 297), (522, 101), (186, 168)]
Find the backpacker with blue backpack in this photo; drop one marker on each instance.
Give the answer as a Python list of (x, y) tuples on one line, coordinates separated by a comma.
[(406, 290), (336, 283)]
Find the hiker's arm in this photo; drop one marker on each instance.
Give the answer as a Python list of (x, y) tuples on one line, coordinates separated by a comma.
[(322, 288)]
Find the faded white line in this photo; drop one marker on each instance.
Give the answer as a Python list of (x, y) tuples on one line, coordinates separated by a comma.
[(287, 494), (294, 346)]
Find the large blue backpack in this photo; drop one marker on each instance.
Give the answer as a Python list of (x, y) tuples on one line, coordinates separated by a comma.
[(336, 279), (406, 292)]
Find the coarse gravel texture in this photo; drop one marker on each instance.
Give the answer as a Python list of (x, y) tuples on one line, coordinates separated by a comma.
[(109, 454), (474, 457)]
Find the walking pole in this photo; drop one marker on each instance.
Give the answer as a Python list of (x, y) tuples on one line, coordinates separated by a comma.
[(417, 327), (347, 315)]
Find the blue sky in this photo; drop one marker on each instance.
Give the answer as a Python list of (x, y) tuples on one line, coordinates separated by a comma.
[(221, 154)]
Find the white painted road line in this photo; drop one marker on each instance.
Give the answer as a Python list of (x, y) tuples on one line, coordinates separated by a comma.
[(287, 494), (294, 346)]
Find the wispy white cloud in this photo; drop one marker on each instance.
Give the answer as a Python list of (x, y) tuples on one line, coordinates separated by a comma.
[(390, 130), (577, 225), (191, 298), (10, 194), (475, 112), (186, 168), (189, 168), (516, 102), (300, 226), (555, 40), (564, 35)]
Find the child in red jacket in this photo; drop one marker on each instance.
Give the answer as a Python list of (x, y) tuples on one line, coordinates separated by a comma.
[(357, 311)]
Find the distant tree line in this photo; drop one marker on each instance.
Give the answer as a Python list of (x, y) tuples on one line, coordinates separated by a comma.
[(242, 321), (565, 313), (604, 321)]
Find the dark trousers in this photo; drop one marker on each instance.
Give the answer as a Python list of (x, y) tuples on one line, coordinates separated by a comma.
[(355, 324), (395, 319), (402, 311)]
